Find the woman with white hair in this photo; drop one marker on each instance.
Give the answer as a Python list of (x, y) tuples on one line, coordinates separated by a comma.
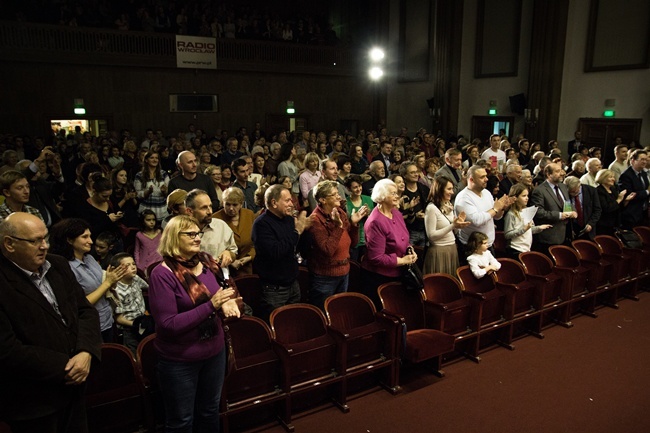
[(387, 241)]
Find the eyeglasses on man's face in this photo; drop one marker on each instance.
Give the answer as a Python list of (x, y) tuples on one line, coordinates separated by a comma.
[(192, 235), (34, 242)]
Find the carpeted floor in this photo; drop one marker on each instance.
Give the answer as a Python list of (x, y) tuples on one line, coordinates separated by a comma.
[(591, 378)]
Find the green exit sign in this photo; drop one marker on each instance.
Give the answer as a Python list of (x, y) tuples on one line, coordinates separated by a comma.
[(492, 111), (609, 113)]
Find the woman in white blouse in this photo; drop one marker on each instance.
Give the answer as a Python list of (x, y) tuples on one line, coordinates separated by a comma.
[(440, 223)]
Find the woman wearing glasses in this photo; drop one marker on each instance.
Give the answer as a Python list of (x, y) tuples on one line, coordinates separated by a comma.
[(332, 235), (185, 296), (71, 238)]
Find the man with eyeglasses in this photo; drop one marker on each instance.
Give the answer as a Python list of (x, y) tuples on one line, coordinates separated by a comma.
[(15, 188), (49, 333), (218, 238)]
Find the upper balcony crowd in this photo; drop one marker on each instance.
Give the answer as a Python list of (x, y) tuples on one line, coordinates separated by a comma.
[(194, 18)]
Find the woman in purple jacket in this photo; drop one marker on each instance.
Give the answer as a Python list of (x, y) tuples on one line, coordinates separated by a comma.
[(387, 240), (185, 297)]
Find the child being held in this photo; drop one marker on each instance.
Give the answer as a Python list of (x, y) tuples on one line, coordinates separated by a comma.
[(128, 300), (481, 261)]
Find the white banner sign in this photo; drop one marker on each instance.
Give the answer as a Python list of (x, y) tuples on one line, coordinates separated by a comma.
[(196, 52)]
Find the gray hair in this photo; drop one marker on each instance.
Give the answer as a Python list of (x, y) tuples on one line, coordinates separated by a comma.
[(591, 161), (380, 191), (571, 182), (576, 163), (273, 193)]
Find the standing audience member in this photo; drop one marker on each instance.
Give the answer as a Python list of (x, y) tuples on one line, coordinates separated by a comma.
[(147, 241), (494, 155), (620, 164), (49, 334), (175, 205), (98, 210), (550, 197), (611, 202), (585, 202), (240, 168), (452, 170), (287, 166), (276, 234), (387, 241), (355, 202), (185, 297), (71, 239), (309, 177), (440, 224), (377, 172), (124, 198), (519, 236), (16, 189), (635, 180), (331, 236), (151, 185), (415, 200), (480, 259), (479, 206), (218, 239), (189, 179), (240, 221), (214, 173), (128, 300), (593, 167), (329, 171)]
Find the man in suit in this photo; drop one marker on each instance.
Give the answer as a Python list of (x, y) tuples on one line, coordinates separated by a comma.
[(635, 179), (550, 197), (452, 170), (49, 333), (586, 204)]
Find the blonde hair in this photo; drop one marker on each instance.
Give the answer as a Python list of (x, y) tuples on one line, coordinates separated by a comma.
[(170, 239)]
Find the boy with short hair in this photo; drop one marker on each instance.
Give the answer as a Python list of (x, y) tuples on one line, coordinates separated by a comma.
[(104, 245), (128, 301)]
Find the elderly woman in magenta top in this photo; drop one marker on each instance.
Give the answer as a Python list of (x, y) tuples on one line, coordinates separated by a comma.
[(185, 296), (332, 234), (387, 240)]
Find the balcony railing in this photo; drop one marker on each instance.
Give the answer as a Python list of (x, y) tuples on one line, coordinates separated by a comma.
[(46, 43)]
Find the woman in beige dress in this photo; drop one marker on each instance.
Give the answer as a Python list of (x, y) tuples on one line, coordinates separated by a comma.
[(440, 223)]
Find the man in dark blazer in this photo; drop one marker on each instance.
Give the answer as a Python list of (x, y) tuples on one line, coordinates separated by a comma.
[(49, 333), (452, 170), (635, 179), (586, 204), (550, 197)]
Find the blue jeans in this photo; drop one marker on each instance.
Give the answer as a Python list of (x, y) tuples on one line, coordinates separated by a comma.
[(191, 392), (323, 286)]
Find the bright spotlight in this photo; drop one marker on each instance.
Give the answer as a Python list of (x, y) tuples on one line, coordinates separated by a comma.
[(375, 73), (376, 54)]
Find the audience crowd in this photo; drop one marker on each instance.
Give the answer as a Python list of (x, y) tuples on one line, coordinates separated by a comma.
[(142, 219)]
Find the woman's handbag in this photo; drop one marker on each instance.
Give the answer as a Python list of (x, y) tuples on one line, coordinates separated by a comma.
[(412, 275), (629, 239)]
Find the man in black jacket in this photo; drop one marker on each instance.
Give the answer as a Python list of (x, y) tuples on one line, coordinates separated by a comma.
[(49, 333)]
